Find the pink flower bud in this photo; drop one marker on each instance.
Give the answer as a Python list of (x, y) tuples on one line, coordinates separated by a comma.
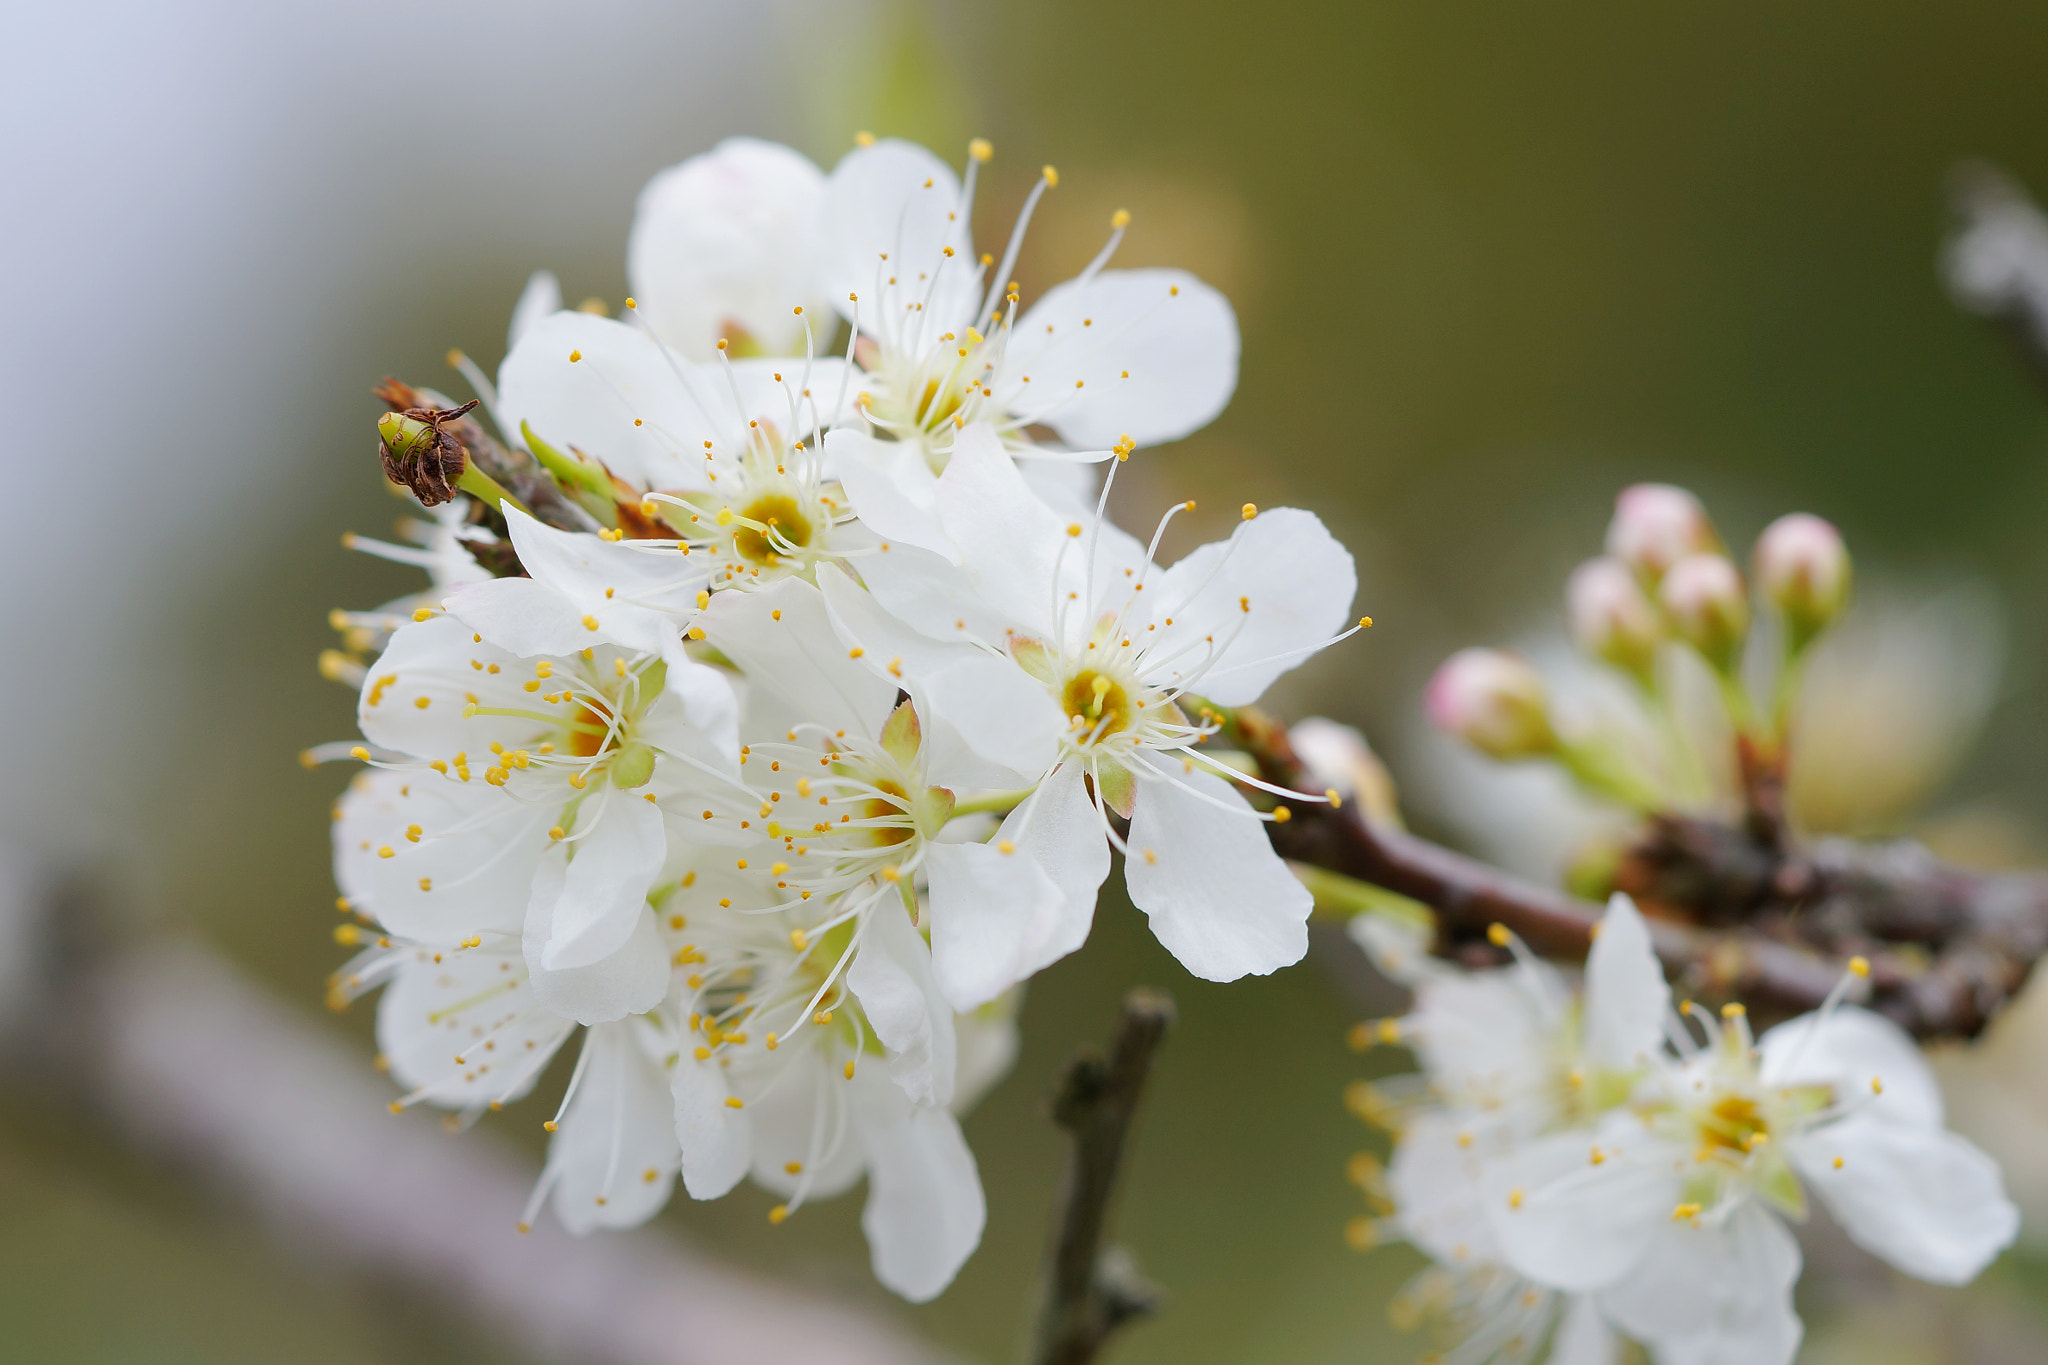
[(1657, 524), (1611, 617), (1803, 567), (1704, 596), (1494, 701)]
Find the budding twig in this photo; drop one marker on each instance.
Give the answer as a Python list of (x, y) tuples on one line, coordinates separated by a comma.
[(1090, 1291), (1766, 920)]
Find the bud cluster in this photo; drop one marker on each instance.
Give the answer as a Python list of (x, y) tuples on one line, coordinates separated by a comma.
[(1666, 583)]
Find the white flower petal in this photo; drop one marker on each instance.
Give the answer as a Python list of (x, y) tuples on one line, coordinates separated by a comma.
[(805, 1118), (783, 640), (1626, 998), (615, 1154), (1847, 1050), (1925, 1200), (716, 1139), (1567, 1223), (435, 661), (1715, 1294), (892, 978), (1267, 598), (605, 576), (994, 917), (1058, 828), (1486, 1039), (1217, 895), (445, 1006), (619, 846), (1434, 1177), (469, 871), (1154, 350), (631, 979), (889, 210), (987, 1047), (892, 487), (620, 374), (728, 239), (925, 1209), (998, 711)]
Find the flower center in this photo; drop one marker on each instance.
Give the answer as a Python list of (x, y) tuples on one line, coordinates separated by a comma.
[(774, 512), (1732, 1123), (1097, 705)]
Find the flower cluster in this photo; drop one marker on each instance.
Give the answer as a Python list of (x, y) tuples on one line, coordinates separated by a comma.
[(1581, 1164), (779, 718)]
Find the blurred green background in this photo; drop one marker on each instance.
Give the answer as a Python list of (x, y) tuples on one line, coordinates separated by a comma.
[(1492, 261)]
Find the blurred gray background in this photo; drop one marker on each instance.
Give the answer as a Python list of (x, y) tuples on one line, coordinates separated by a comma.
[(1491, 262)]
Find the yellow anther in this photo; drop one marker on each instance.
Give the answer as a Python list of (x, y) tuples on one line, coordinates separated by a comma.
[(849, 1071), (892, 874), (980, 149), (387, 852), (590, 623), (793, 1167), (1877, 1085), (473, 941), (734, 1102), (347, 935), (1365, 623), (1005, 846), (1685, 1211), (1052, 177), (575, 356), (703, 599), (555, 832), (1249, 510), (422, 614), (426, 883), (778, 1213), (1281, 815), (863, 139), (359, 752), (631, 304), (1497, 934), (1515, 1198), (1074, 528), (1598, 1156), (1733, 1010), (822, 1017), (412, 833), (1120, 219), (1838, 1163), (798, 939), (1361, 1234), (1860, 965), (549, 1126), (695, 632)]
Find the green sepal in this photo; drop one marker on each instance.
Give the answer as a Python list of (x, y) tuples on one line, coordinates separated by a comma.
[(902, 736), (1118, 787)]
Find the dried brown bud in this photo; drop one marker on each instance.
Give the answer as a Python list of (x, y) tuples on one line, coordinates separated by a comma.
[(418, 450)]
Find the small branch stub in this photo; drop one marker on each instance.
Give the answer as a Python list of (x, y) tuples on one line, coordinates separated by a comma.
[(1090, 1291)]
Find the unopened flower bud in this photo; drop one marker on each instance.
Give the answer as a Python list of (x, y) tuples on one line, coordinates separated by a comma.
[(1704, 596), (1803, 568), (1657, 524), (1611, 617), (1494, 701)]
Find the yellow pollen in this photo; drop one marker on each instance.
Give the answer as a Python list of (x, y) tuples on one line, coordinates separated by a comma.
[(412, 833), (1685, 1211), (1249, 510), (422, 614), (386, 852), (1281, 815), (549, 1126), (359, 752), (1859, 965), (980, 150), (575, 356), (1052, 177), (631, 304), (1732, 1010), (1876, 1085), (734, 1102), (1074, 529), (590, 623), (798, 938), (1515, 1198), (1838, 1163), (1005, 846), (1497, 934), (1120, 219), (778, 1213), (849, 1071)]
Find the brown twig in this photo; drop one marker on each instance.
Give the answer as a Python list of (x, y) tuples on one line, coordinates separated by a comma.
[(1736, 914), (1090, 1291)]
